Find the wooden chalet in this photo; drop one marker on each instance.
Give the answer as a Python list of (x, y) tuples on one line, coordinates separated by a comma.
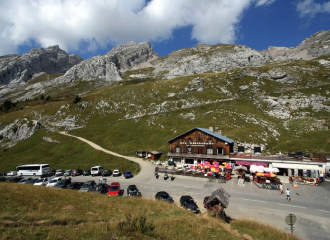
[(198, 145)]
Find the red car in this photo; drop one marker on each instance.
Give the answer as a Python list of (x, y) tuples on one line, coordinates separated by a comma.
[(114, 189)]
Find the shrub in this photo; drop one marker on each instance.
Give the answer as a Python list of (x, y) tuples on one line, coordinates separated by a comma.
[(77, 99), (135, 226)]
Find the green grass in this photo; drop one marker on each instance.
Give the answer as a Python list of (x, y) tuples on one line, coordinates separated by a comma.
[(70, 153), (30, 212)]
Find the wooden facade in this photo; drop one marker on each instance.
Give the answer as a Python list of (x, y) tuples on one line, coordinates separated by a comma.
[(198, 145)]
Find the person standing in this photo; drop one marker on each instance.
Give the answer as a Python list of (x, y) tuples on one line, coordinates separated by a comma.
[(288, 194), (281, 188)]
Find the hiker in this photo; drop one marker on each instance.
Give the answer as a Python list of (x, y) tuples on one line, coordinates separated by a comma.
[(288, 194)]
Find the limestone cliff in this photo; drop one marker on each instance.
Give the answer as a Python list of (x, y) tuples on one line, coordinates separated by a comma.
[(18, 69)]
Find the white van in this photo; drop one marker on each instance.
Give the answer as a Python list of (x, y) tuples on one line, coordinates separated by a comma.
[(12, 173), (53, 182), (96, 171)]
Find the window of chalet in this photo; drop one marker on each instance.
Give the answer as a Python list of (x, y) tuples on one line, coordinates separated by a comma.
[(183, 140), (189, 150), (220, 151), (177, 149), (209, 140), (189, 140), (209, 151)]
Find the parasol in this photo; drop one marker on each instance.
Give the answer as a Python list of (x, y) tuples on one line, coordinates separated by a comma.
[(260, 174)]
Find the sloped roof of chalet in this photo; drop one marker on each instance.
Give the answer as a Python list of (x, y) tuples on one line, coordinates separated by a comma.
[(156, 152), (207, 131)]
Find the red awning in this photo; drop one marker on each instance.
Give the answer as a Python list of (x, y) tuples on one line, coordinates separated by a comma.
[(247, 163)]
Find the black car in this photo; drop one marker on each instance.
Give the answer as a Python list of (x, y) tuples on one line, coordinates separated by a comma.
[(133, 191), (32, 181), (63, 183), (88, 186), (101, 188), (106, 173), (86, 172), (164, 196), (14, 179), (189, 203), (48, 174), (75, 185), (2, 174)]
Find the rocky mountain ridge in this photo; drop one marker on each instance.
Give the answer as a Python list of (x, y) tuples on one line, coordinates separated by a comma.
[(18, 69)]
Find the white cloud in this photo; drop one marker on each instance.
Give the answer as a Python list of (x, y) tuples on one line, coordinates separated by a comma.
[(264, 2), (308, 8), (96, 24)]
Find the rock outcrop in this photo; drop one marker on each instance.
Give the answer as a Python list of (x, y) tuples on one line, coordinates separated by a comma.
[(109, 66), (206, 58), (18, 69), (315, 46), (19, 130)]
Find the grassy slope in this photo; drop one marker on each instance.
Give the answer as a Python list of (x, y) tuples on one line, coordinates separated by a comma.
[(69, 154), (29, 212)]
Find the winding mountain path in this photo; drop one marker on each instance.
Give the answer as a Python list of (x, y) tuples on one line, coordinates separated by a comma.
[(146, 168)]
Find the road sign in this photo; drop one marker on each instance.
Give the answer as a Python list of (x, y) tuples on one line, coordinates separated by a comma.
[(291, 219), (289, 228)]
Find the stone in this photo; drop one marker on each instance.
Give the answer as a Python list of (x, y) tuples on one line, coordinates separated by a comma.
[(18, 69)]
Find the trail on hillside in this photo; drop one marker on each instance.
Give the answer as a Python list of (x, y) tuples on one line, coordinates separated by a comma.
[(142, 164)]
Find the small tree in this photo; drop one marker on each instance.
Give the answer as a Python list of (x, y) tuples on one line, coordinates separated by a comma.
[(77, 99), (7, 105), (47, 98), (42, 97)]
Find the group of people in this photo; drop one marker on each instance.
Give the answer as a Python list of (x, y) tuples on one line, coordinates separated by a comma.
[(287, 192)]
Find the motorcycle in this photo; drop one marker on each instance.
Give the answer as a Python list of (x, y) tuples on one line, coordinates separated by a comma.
[(165, 176), (172, 177), (156, 175)]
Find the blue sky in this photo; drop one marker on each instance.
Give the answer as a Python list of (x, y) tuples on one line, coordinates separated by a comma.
[(90, 28)]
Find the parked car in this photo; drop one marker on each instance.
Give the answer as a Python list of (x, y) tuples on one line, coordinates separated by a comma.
[(59, 172), (76, 172), (31, 181), (67, 173), (116, 173), (114, 189), (2, 174), (53, 182), (133, 191), (12, 173), (106, 173), (164, 196), (128, 174), (41, 182), (189, 203), (101, 188), (14, 179), (88, 186), (48, 173), (75, 185), (96, 171), (24, 180), (86, 172), (63, 183)]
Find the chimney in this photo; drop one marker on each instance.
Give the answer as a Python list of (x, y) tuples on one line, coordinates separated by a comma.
[(211, 129), (220, 131)]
